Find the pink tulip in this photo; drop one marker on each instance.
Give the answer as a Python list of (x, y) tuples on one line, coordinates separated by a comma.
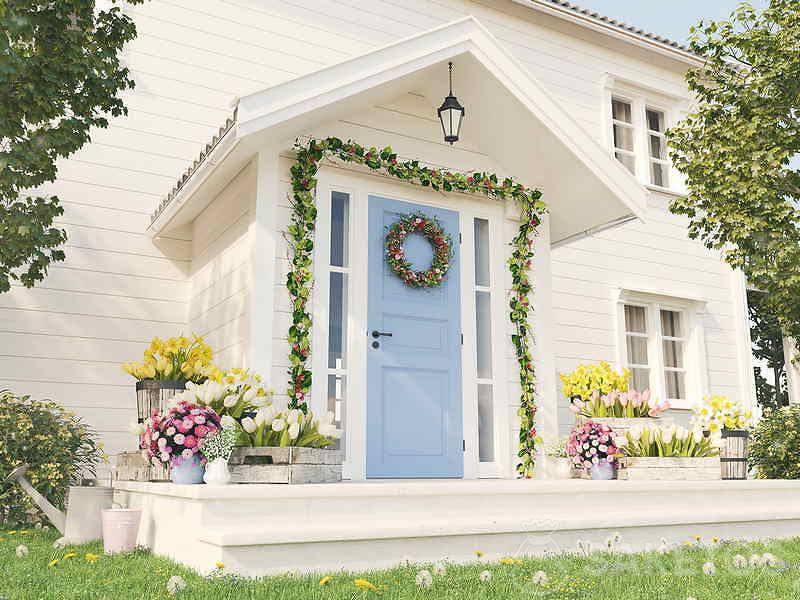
[(646, 397), (636, 398), (623, 399)]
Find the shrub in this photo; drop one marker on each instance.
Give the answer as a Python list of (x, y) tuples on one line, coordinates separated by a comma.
[(57, 445), (775, 445)]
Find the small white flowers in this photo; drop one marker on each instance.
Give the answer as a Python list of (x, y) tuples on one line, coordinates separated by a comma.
[(176, 584), (424, 579), (22, 551), (585, 547), (755, 560), (539, 578), (59, 543), (739, 561), (440, 569), (485, 576), (769, 560), (664, 547), (709, 568)]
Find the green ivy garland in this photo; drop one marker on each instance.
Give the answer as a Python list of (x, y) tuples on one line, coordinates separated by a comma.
[(442, 250), (300, 235)]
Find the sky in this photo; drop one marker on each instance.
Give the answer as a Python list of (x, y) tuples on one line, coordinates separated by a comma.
[(671, 18)]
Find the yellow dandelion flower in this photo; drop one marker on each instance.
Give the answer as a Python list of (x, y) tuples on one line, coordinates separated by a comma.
[(12, 532), (2, 539), (53, 563), (697, 538), (220, 565), (478, 553), (69, 555), (91, 558), (510, 561), (325, 580), (364, 584), (24, 532)]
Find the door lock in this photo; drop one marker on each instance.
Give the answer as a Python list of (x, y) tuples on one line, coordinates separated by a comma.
[(376, 334)]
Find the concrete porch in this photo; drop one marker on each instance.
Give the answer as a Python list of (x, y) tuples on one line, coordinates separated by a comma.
[(271, 529)]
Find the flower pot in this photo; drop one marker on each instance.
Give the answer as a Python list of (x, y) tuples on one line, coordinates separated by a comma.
[(217, 472), (120, 529), (555, 467), (664, 468), (603, 471), (285, 465), (187, 471)]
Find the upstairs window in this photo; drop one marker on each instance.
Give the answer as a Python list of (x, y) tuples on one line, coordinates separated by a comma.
[(657, 146), (624, 133)]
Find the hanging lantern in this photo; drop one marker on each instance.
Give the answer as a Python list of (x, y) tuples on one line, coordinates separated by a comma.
[(451, 113)]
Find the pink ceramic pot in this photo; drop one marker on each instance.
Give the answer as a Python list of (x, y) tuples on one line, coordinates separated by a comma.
[(120, 529)]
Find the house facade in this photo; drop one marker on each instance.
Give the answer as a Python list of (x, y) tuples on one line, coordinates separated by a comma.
[(177, 214)]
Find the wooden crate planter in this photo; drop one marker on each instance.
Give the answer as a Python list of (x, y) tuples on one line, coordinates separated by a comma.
[(656, 468), (285, 465), (621, 425), (132, 466)]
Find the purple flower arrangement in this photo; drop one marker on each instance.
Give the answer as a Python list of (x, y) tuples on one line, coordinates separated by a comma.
[(591, 444), (178, 434)]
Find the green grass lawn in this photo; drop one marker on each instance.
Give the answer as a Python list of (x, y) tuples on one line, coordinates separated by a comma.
[(675, 575)]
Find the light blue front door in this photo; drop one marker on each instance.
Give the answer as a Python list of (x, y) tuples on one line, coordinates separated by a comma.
[(414, 426)]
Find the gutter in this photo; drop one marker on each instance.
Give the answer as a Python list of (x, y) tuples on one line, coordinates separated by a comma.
[(587, 233)]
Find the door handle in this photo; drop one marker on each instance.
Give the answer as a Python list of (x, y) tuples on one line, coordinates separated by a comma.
[(376, 334)]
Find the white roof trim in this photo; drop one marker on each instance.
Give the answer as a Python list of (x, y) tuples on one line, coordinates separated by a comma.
[(298, 97)]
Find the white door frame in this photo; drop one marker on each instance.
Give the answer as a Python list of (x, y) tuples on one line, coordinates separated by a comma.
[(359, 186)]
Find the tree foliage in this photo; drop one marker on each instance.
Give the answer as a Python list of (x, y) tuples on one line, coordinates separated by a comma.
[(736, 148), (60, 75), (767, 338)]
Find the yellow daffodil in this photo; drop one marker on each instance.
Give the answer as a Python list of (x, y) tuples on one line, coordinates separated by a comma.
[(325, 580), (91, 558), (53, 563), (364, 584)]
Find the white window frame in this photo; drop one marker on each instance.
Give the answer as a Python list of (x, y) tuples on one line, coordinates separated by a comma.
[(641, 98), (695, 367), (631, 126), (663, 136)]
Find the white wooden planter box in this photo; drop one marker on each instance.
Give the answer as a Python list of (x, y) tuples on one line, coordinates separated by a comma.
[(621, 425), (285, 465), (668, 468)]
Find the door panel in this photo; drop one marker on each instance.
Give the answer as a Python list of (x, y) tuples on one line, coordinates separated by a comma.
[(414, 420)]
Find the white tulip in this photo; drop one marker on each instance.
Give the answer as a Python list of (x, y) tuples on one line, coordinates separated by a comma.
[(697, 434), (278, 425), (230, 401), (264, 415), (249, 425), (293, 416), (330, 431), (294, 430), (250, 394), (682, 433), (227, 421)]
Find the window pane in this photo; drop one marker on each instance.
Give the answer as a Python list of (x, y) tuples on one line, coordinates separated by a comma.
[(627, 160), (659, 174), (483, 340), (655, 120), (339, 229), (621, 110), (640, 379), (675, 385), (485, 423), (637, 350), (671, 323), (635, 319), (336, 405), (673, 354), (337, 323), (623, 137), (657, 147), (481, 252)]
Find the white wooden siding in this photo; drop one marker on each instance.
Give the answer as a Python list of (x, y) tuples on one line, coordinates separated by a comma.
[(118, 288)]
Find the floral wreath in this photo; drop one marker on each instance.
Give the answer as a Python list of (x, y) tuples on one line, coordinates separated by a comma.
[(396, 256)]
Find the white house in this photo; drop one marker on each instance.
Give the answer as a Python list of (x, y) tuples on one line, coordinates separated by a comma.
[(169, 233)]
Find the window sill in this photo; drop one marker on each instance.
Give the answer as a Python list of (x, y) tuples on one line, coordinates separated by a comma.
[(665, 191)]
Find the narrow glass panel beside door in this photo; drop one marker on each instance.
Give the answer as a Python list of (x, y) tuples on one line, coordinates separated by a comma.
[(483, 342)]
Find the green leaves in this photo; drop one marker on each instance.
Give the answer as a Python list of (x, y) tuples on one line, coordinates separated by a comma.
[(736, 150), (60, 76)]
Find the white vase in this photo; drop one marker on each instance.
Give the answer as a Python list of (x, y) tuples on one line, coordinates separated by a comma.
[(557, 468), (217, 472)]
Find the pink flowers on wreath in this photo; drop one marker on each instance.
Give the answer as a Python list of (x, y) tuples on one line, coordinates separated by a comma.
[(590, 444), (177, 435)]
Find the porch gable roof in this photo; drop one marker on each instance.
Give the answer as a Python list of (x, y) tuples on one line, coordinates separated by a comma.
[(582, 183)]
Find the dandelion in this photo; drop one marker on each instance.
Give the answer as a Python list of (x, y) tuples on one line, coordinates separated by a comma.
[(91, 558), (539, 578), (53, 563), (2, 539), (424, 579), (12, 532), (709, 568), (510, 561), (755, 560), (325, 580), (440, 569), (617, 537), (364, 584), (22, 551), (220, 565), (769, 560), (69, 555), (175, 585), (45, 528), (478, 553), (739, 561), (38, 525), (485, 576)]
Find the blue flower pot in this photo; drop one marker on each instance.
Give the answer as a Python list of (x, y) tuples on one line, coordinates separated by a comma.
[(188, 471), (603, 471)]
